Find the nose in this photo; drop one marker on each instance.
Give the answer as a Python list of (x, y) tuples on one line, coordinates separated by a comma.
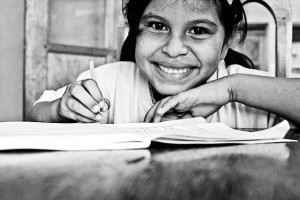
[(175, 47)]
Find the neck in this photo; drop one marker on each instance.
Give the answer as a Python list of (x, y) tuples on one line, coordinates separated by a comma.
[(156, 96)]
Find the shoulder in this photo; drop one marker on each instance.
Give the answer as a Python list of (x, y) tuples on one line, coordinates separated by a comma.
[(109, 70), (238, 69), (223, 71), (116, 66)]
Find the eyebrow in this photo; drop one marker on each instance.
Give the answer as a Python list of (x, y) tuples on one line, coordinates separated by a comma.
[(197, 21), (151, 15), (204, 21)]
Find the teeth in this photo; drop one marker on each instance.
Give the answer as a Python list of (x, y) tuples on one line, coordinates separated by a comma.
[(174, 70)]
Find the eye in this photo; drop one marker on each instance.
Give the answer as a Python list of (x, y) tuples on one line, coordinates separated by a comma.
[(198, 31), (157, 26)]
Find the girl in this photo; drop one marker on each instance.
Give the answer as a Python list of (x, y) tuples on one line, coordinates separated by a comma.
[(177, 71)]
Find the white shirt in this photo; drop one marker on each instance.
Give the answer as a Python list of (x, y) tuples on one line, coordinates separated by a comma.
[(129, 94)]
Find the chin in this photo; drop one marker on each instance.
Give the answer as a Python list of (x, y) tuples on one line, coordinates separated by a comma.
[(169, 91)]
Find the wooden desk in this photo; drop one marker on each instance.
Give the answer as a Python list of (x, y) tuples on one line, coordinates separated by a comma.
[(265, 171)]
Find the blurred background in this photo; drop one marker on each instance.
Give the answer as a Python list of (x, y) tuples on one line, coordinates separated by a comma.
[(45, 44)]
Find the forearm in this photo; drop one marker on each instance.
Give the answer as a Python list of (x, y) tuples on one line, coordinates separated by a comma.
[(46, 112), (277, 95)]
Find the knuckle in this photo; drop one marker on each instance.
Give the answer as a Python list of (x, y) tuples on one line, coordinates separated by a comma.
[(73, 88), (71, 104), (62, 112), (88, 83), (77, 118), (63, 109)]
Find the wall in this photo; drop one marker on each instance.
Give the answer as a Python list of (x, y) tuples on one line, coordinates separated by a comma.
[(296, 14), (258, 14), (11, 59), (12, 56)]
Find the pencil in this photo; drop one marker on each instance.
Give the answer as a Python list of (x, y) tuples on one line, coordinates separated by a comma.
[(93, 76), (92, 69)]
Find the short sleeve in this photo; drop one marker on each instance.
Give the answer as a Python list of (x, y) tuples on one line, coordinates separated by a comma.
[(51, 95)]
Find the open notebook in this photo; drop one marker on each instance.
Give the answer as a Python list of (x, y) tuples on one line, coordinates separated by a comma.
[(80, 136)]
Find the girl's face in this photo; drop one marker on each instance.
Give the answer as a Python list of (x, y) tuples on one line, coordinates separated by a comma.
[(181, 44)]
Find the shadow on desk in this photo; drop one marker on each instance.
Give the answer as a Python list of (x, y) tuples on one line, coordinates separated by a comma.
[(262, 171)]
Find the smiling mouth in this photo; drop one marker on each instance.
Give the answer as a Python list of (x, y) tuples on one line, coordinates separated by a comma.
[(174, 70)]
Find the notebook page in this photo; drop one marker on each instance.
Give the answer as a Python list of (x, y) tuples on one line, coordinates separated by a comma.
[(95, 136), (208, 133), (64, 136)]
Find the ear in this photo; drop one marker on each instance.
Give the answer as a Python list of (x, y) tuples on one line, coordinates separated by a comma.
[(224, 51)]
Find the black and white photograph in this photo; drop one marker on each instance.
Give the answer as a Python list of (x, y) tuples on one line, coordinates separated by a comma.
[(149, 99)]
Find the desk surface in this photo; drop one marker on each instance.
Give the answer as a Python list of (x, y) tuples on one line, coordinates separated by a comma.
[(264, 171)]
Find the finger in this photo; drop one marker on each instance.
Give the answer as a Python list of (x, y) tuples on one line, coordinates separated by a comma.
[(186, 116), (172, 115), (92, 88), (149, 116), (79, 118), (106, 105), (80, 112), (157, 115), (67, 115), (169, 117), (79, 92), (171, 102)]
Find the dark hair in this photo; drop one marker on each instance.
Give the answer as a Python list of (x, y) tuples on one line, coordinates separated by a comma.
[(132, 11), (232, 17)]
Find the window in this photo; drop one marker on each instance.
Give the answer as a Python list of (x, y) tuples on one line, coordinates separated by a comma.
[(61, 36), (296, 51)]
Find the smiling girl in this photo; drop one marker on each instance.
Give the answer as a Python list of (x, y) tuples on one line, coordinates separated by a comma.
[(176, 69)]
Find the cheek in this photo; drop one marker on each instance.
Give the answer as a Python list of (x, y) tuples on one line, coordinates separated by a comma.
[(147, 45), (139, 50), (208, 52)]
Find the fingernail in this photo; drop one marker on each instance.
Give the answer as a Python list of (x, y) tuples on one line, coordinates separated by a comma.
[(98, 117), (96, 108), (160, 111), (156, 120), (101, 104)]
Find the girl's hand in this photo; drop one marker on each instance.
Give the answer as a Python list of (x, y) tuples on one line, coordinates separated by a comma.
[(198, 102), (83, 102), (170, 115)]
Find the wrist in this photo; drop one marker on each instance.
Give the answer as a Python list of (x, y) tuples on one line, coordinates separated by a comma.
[(54, 111), (232, 87)]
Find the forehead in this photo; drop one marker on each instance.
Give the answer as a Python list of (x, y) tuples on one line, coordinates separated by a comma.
[(196, 6), (183, 8)]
